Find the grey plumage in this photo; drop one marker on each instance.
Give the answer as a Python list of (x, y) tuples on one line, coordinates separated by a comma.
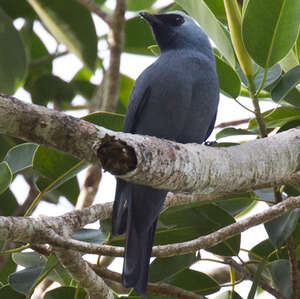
[(175, 98)]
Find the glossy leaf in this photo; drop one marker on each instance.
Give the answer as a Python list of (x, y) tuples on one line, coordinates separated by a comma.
[(62, 20), (229, 295), (64, 293), (280, 228), (162, 268), (280, 271), (236, 204), (266, 194), (90, 235), (210, 24), (5, 176), (20, 156), (8, 292), (194, 281), (227, 132), (286, 84), (229, 81), (277, 117), (29, 259), (50, 88), (109, 120), (7, 268), (139, 5), (13, 61), (23, 281), (268, 37), (266, 250), (8, 204), (138, 37), (17, 9), (187, 222)]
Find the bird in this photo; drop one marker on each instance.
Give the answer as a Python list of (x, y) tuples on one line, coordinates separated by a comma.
[(175, 98)]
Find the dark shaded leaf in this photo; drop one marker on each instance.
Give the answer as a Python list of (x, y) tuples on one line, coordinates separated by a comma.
[(162, 268), (230, 83), (286, 84), (7, 268), (62, 20), (8, 292), (280, 228), (8, 203), (13, 61), (18, 9), (64, 293), (6, 176)]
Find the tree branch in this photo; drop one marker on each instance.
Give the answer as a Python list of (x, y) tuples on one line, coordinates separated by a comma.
[(52, 229), (93, 7), (83, 274)]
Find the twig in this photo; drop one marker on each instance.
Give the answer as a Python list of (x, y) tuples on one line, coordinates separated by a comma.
[(111, 87), (232, 123), (93, 7), (156, 288), (293, 267)]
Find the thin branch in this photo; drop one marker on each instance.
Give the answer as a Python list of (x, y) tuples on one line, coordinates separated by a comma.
[(293, 267), (232, 123), (248, 275), (110, 96), (51, 229), (83, 274), (93, 7), (156, 288)]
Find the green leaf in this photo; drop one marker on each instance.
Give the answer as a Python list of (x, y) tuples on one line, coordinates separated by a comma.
[(126, 85), (236, 204), (84, 88), (232, 132), (230, 83), (188, 222), (162, 268), (90, 235), (8, 204), (71, 24), (218, 9), (266, 194), (6, 176), (29, 259), (65, 292), (138, 37), (109, 120), (194, 281), (293, 98), (13, 62), (298, 47), (280, 228), (50, 88), (210, 24), (229, 295), (23, 281), (286, 84), (257, 277), (268, 37), (20, 156), (8, 292), (18, 9), (280, 271), (7, 268), (289, 61), (264, 250), (139, 5), (277, 117)]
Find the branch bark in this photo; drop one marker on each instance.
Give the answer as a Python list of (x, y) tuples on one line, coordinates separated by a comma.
[(163, 164)]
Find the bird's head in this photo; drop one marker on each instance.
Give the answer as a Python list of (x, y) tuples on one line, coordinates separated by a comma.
[(176, 30)]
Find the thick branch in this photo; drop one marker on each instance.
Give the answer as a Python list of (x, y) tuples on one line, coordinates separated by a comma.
[(163, 164)]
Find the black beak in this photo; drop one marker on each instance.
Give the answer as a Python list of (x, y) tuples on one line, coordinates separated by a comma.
[(151, 19)]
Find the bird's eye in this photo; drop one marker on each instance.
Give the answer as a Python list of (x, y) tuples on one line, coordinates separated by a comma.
[(179, 20)]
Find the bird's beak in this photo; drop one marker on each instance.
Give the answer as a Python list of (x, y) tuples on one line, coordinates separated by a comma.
[(151, 19)]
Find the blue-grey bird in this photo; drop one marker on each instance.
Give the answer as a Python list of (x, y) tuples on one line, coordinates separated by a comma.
[(175, 98)]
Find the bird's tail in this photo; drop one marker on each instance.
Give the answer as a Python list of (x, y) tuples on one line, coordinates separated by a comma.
[(137, 258)]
